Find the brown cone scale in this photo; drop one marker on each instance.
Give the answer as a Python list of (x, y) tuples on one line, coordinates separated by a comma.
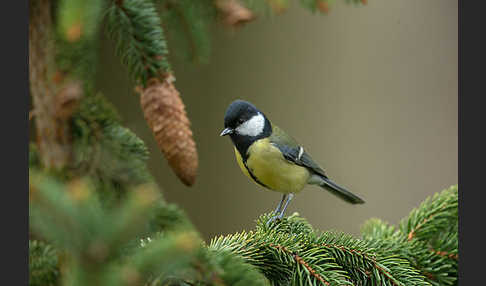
[(165, 114)]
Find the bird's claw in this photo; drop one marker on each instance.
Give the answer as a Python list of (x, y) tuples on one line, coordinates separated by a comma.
[(275, 217)]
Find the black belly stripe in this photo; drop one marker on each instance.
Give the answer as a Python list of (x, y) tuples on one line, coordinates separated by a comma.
[(253, 176)]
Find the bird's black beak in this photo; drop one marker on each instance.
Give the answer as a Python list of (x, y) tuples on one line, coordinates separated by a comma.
[(226, 131)]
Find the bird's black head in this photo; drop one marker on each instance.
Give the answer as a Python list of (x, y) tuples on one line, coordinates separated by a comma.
[(245, 124)]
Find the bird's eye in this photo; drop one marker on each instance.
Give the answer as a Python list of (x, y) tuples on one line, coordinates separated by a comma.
[(241, 120)]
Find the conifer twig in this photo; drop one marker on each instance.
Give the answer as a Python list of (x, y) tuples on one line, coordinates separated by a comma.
[(454, 256), (384, 257), (364, 256), (136, 29)]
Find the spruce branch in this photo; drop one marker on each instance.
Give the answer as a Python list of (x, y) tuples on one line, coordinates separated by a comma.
[(106, 246), (291, 252), (72, 217), (446, 243), (157, 258), (169, 217), (135, 27), (427, 237), (43, 264), (432, 216), (233, 270), (366, 262), (435, 268), (112, 155), (375, 227), (283, 258)]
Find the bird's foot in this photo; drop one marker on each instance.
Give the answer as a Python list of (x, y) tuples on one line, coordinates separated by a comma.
[(278, 216)]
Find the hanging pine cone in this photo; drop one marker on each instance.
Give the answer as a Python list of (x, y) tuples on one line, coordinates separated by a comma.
[(165, 114)]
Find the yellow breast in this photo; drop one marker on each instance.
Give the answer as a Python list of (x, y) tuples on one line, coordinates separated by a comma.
[(268, 165)]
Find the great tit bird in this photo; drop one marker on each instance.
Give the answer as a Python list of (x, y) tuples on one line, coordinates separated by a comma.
[(272, 158)]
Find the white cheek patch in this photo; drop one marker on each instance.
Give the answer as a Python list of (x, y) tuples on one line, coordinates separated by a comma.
[(253, 126)]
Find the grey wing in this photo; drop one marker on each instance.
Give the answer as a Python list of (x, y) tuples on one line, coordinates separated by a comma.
[(293, 152), (298, 156)]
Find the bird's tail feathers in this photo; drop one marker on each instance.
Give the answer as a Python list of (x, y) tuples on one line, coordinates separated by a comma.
[(337, 190)]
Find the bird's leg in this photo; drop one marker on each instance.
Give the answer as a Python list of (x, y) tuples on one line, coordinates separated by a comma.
[(279, 207), (279, 212), (289, 198)]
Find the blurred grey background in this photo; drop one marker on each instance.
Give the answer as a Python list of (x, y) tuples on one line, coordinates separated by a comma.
[(370, 92)]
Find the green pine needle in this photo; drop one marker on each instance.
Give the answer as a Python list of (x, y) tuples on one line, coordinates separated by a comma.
[(43, 269), (106, 150), (135, 27), (290, 252), (433, 215)]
